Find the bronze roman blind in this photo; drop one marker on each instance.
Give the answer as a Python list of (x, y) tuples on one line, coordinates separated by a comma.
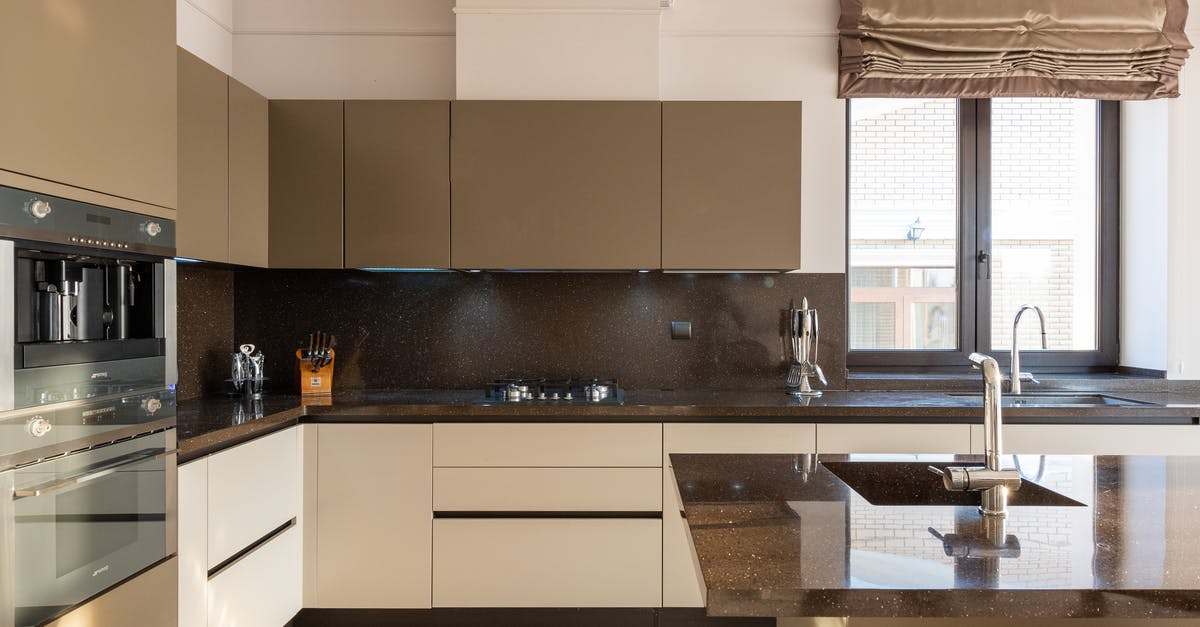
[(1103, 49)]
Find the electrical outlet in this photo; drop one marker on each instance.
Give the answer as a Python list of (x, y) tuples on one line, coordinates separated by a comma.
[(681, 329)]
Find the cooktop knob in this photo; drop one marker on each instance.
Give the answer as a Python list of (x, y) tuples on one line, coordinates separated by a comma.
[(151, 405), (152, 228), (38, 426), (38, 208)]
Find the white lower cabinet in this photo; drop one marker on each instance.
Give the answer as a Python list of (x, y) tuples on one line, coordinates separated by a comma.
[(260, 589), (1096, 439), (253, 489), (547, 515), (374, 499), (682, 583), (893, 438), (547, 562), (193, 543), (240, 520)]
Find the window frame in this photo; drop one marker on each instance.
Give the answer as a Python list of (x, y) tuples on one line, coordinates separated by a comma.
[(974, 232)]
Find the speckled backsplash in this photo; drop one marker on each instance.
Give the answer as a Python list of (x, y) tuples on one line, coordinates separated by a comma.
[(458, 330), (206, 306)]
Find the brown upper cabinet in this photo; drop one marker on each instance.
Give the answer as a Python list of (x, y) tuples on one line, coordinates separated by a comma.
[(248, 186), (203, 219), (567, 185), (90, 97), (397, 199), (305, 226), (731, 185), (222, 167)]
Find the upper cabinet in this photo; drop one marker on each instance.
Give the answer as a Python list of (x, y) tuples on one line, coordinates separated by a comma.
[(203, 220), (305, 184), (565, 185), (397, 198), (248, 187), (90, 98), (222, 167), (731, 185)]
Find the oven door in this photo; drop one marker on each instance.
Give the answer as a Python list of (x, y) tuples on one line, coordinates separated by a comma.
[(85, 522)]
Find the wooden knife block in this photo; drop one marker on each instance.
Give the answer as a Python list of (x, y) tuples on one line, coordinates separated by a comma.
[(317, 382)]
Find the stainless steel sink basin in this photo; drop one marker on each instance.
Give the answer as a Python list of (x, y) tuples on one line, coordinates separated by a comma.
[(1052, 399), (911, 483)]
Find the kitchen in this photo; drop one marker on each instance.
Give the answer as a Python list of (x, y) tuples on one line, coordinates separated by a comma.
[(615, 312)]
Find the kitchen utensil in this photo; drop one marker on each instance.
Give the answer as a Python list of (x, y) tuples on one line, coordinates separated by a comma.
[(804, 333)]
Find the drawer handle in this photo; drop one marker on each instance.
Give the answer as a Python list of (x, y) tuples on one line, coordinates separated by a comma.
[(104, 471)]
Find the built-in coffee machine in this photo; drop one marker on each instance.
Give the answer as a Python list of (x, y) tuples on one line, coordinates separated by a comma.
[(89, 300)]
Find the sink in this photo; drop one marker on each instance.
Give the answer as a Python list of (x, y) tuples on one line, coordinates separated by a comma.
[(1044, 399), (911, 483)]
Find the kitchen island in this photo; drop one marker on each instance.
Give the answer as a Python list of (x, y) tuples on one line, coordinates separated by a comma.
[(784, 536)]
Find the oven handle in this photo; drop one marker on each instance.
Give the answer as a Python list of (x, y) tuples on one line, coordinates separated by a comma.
[(119, 463)]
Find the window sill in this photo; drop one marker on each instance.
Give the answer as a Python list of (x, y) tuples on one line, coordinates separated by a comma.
[(906, 380)]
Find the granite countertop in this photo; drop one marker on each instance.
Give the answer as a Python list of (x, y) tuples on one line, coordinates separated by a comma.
[(783, 536), (211, 423)]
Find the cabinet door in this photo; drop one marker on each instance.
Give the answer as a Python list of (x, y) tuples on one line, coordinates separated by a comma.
[(397, 184), (894, 438), (248, 186), (305, 184), (374, 515), (731, 185), (683, 585), (203, 219), (90, 96), (253, 489), (547, 562), (555, 185), (260, 589), (193, 543)]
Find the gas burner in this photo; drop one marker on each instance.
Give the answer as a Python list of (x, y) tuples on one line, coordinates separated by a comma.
[(536, 390)]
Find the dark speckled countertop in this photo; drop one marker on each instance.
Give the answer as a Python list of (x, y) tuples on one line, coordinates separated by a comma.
[(783, 536), (209, 424)]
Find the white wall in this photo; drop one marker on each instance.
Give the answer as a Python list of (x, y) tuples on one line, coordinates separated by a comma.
[(548, 50), (345, 49), (205, 28), (772, 50), (1144, 212), (1183, 227)]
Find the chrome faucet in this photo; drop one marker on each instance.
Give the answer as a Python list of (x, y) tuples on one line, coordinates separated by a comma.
[(1016, 376), (993, 481)]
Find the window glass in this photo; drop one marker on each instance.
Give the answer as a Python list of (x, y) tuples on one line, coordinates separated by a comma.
[(1045, 224), (903, 224)]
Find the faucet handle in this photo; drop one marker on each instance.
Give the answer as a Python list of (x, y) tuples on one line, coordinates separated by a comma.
[(1027, 377), (955, 479)]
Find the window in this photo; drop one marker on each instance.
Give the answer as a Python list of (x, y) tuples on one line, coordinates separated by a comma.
[(961, 211)]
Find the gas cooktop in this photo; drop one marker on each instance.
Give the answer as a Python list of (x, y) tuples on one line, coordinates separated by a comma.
[(592, 390)]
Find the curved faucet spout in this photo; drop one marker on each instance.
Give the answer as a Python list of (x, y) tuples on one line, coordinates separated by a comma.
[(1015, 364)]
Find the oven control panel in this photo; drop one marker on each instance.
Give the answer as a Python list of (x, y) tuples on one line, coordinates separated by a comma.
[(37, 217)]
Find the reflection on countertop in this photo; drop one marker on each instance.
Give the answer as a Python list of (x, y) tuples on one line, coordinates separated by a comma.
[(210, 423), (781, 535)]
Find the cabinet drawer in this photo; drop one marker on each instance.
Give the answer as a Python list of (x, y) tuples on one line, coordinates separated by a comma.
[(573, 562), (262, 589), (547, 489), (899, 438), (547, 445), (253, 488), (1096, 439)]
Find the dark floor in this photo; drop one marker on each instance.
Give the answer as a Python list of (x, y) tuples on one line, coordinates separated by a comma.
[(566, 617)]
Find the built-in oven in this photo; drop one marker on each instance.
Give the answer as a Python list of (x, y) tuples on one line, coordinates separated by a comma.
[(94, 507), (89, 297)]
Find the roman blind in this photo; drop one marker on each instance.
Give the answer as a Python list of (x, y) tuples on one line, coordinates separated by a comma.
[(1102, 49)]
